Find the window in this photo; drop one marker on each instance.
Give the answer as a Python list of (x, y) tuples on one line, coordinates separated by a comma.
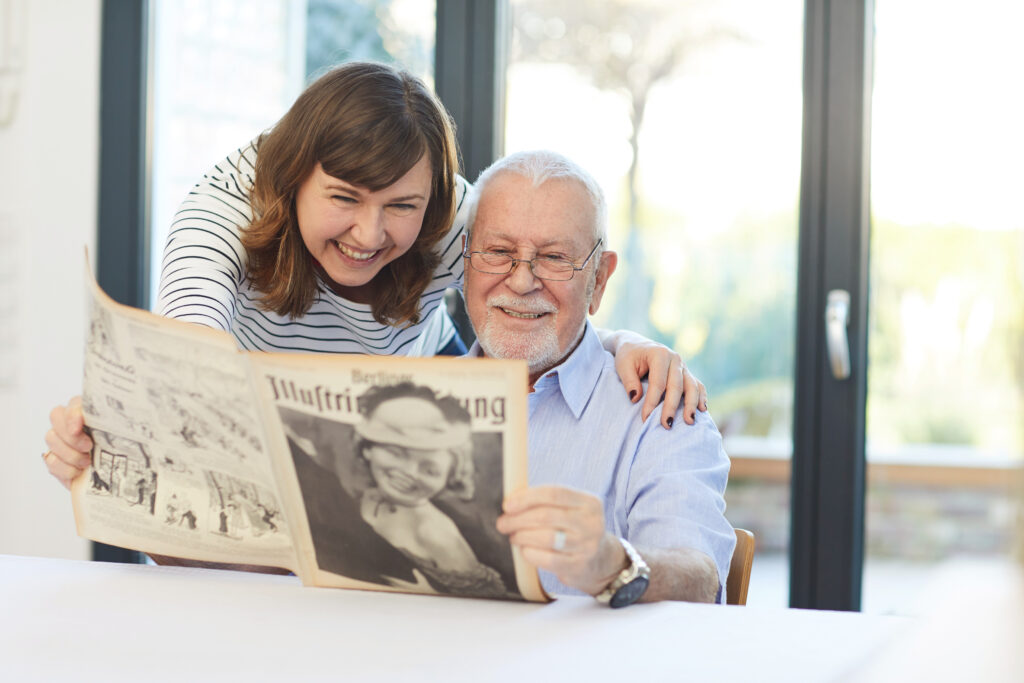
[(946, 371), (689, 117)]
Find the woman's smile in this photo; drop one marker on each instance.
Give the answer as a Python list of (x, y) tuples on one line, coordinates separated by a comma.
[(358, 256), (403, 482), (354, 232)]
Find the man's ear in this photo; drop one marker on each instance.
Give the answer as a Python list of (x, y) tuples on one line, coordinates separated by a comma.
[(605, 268)]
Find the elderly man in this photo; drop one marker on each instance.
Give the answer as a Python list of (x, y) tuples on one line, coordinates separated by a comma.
[(618, 508)]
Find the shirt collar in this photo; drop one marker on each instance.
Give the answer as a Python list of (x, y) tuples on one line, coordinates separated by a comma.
[(576, 376)]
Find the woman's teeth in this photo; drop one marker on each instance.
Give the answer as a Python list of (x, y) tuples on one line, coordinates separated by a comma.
[(356, 255)]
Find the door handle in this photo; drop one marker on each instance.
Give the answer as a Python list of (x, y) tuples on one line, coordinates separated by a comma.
[(837, 319)]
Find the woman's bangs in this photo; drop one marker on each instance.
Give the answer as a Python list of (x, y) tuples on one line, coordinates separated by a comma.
[(375, 158)]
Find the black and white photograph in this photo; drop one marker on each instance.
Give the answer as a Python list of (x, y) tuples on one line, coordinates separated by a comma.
[(407, 496)]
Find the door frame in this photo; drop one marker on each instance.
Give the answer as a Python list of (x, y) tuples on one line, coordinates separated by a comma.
[(828, 467)]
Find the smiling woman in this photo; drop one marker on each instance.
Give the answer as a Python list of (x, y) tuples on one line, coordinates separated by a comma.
[(341, 168), (354, 233)]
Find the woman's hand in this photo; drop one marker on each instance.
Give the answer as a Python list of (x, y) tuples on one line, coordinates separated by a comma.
[(667, 377), (68, 443), (562, 530)]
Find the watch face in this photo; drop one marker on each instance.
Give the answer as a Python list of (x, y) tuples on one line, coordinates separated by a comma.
[(630, 593)]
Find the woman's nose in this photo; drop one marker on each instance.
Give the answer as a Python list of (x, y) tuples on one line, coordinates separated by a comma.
[(368, 228)]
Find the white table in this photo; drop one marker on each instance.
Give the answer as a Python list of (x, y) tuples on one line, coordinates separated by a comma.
[(96, 621), (973, 629)]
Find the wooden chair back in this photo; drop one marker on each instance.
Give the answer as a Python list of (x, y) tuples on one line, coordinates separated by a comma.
[(739, 569)]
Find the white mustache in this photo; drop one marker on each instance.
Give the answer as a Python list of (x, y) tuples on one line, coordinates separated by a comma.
[(521, 305)]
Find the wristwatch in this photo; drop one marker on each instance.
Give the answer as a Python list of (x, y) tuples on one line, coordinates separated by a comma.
[(628, 585)]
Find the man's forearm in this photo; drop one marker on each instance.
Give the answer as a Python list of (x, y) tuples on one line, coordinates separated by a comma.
[(680, 574), (167, 561)]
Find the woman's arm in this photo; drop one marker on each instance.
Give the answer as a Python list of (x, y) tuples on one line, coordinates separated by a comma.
[(204, 261), (667, 375)]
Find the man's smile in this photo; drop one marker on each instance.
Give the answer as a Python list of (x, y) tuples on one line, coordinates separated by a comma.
[(521, 308), (525, 316)]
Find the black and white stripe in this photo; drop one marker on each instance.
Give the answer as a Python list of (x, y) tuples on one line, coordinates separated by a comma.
[(203, 280)]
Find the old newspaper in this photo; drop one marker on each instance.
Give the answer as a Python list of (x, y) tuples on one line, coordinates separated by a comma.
[(351, 471)]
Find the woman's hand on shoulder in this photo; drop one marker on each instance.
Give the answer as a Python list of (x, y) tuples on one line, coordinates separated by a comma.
[(69, 445), (668, 380)]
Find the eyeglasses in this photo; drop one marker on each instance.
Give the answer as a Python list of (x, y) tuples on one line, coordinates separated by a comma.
[(555, 268)]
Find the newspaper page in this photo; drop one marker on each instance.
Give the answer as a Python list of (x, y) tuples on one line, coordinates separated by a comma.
[(402, 465), (366, 472), (180, 460)]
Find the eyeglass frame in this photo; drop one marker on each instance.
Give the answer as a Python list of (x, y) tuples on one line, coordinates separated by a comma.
[(513, 262)]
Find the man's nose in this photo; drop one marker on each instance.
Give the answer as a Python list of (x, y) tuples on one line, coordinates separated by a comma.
[(522, 280)]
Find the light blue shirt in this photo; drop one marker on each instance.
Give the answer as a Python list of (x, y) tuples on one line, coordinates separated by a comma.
[(661, 488)]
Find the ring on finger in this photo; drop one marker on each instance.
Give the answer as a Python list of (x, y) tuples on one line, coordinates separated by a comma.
[(558, 545)]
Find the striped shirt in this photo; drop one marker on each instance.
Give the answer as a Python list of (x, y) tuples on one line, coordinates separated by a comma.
[(203, 280)]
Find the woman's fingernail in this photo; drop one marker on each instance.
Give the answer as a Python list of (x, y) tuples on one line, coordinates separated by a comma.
[(632, 394), (670, 421)]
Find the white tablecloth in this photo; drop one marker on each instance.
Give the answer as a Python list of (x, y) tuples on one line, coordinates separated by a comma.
[(96, 621)]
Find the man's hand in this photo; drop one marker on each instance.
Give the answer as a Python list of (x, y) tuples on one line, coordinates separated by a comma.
[(562, 530)]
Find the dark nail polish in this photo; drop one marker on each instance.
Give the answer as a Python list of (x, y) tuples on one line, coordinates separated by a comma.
[(670, 421), (632, 394)]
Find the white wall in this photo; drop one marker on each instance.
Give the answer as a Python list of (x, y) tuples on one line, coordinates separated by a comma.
[(48, 190)]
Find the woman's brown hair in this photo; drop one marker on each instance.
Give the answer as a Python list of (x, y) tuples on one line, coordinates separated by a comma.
[(367, 124)]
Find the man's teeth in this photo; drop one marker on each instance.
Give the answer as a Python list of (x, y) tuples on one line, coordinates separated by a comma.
[(517, 314), (357, 255)]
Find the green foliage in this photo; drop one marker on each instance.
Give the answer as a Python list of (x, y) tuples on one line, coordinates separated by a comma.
[(739, 287), (946, 351)]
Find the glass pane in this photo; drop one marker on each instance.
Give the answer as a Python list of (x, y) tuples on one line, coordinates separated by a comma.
[(397, 32), (688, 114), (225, 71), (946, 370), (222, 72)]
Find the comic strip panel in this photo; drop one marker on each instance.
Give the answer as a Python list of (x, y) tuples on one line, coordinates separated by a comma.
[(123, 471), (241, 510), (201, 405), (110, 383)]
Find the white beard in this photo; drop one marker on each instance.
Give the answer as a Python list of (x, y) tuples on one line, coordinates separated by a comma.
[(539, 349)]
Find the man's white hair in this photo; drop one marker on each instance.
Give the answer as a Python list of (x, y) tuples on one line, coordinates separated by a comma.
[(540, 166)]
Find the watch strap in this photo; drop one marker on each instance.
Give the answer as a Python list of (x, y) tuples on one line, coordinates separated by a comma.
[(630, 583)]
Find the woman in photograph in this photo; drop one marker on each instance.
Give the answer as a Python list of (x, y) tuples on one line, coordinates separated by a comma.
[(372, 511), (338, 231)]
